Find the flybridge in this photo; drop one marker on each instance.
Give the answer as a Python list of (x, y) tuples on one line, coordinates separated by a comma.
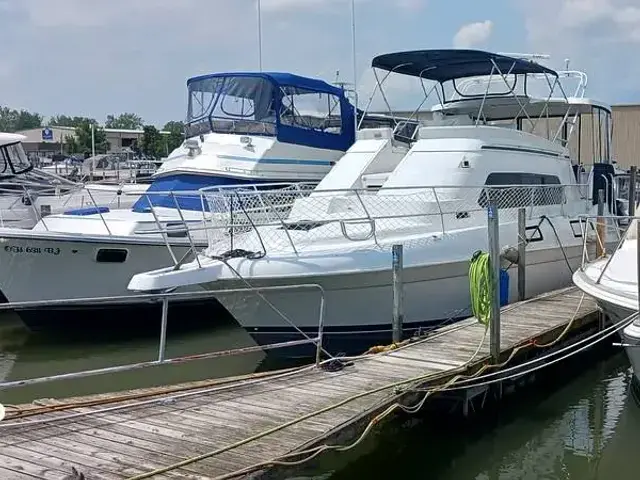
[(479, 88)]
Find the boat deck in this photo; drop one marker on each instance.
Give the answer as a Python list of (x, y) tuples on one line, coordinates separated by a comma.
[(229, 428)]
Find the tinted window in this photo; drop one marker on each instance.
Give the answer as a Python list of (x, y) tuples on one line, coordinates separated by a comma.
[(522, 196), (507, 178)]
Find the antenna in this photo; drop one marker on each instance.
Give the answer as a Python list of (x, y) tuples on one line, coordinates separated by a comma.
[(260, 35), (566, 63), (355, 65), (527, 56)]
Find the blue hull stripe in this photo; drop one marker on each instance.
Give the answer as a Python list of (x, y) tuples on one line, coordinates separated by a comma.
[(279, 161), (188, 182)]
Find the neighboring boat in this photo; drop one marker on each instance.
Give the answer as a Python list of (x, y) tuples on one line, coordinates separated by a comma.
[(27, 194), (242, 128), (427, 189), (613, 282)]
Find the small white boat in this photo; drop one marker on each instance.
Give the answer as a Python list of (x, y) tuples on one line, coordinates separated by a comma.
[(27, 194), (245, 130), (613, 282), (426, 188)]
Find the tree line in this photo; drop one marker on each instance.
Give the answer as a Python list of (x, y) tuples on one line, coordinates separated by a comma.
[(152, 143)]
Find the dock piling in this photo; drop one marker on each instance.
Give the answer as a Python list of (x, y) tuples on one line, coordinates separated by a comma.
[(494, 256), (600, 227), (522, 251), (162, 347), (398, 294), (633, 175)]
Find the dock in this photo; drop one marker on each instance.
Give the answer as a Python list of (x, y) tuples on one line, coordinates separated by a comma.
[(266, 425)]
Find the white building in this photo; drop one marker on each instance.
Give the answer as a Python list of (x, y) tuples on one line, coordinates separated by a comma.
[(46, 141)]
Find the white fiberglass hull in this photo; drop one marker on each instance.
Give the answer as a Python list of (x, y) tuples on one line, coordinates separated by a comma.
[(629, 336), (53, 266), (357, 284), (616, 292)]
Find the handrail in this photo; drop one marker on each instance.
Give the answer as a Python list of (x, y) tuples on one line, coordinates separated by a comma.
[(588, 219), (165, 298), (193, 248), (249, 218)]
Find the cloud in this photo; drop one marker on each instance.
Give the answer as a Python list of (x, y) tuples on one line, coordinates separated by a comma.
[(598, 36), (473, 34)]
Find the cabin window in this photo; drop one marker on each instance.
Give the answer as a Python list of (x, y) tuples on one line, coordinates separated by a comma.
[(13, 159), (231, 104), (111, 255), (521, 194), (311, 110)]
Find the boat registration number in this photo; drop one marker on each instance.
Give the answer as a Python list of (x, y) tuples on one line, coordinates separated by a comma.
[(32, 250)]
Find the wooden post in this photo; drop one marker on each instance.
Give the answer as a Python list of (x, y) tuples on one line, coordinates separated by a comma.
[(600, 230), (398, 294), (633, 172), (494, 256), (522, 251)]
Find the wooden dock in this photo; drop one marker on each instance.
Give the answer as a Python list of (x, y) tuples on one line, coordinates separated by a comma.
[(228, 429)]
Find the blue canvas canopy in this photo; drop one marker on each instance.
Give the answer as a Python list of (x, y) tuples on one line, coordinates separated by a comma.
[(259, 99), (280, 79), (449, 64)]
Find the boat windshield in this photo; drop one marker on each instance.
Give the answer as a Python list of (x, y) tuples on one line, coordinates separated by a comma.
[(13, 160), (231, 104)]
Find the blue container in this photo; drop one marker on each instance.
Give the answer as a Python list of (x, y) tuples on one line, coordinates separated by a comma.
[(504, 287)]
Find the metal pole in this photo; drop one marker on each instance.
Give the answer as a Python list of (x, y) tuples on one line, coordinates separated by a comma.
[(93, 140), (638, 260), (633, 171), (93, 151), (522, 251), (355, 66), (260, 35), (600, 240), (494, 256), (163, 330), (398, 297), (320, 333)]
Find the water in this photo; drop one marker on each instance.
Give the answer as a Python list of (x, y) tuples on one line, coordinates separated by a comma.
[(24, 355), (587, 428)]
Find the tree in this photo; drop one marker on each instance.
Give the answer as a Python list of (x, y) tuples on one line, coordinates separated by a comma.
[(67, 121), (70, 144), (125, 121), (12, 120), (83, 139), (152, 142), (27, 120), (176, 135)]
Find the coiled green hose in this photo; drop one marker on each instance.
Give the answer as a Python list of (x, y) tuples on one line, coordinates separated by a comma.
[(481, 286)]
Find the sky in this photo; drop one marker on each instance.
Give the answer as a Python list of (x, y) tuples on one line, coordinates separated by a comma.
[(100, 57)]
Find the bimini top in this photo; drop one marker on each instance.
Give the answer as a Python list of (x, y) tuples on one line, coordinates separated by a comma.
[(445, 65), (295, 109), (280, 79)]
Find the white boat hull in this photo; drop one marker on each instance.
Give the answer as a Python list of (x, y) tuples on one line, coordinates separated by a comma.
[(630, 335), (358, 306), (35, 267)]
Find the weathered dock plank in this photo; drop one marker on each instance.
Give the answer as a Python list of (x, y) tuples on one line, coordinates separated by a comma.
[(240, 424)]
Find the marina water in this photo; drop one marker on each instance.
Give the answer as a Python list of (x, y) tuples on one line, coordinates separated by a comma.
[(587, 427)]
